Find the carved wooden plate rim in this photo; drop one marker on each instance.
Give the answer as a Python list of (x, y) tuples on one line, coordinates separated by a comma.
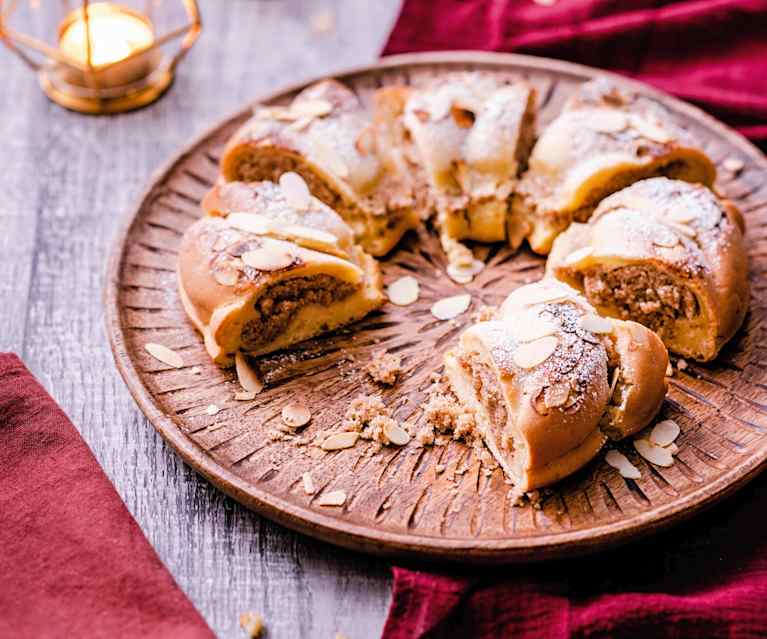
[(366, 537)]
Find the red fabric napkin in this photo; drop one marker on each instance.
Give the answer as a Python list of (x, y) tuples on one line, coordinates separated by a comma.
[(73, 562), (710, 52), (707, 578)]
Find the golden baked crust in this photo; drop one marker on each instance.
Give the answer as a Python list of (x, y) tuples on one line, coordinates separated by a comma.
[(604, 139), (664, 253), (550, 381), (327, 137), (262, 279), (471, 133)]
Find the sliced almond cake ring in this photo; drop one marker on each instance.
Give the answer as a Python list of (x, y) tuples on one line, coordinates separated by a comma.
[(272, 274), (667, 254), (605, 139), (550, 381), (328, 137)]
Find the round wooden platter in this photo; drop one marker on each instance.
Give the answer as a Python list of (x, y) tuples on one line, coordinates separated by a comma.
[(398, 503)]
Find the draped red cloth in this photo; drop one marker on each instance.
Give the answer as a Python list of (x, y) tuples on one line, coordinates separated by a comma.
[(710, 52), (706, 578), (73, 561)]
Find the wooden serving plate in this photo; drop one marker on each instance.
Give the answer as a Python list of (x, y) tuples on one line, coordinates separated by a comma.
[(397, 503)]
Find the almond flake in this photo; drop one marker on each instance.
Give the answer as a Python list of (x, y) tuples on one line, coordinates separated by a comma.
[(333, 498), (596, 324), (556, 395), (300, 124), (226, 276), (654, 454), (270, 257), (534, 353), (403, 291), (669, 370), (463, 274), (578, 256), (666, 241), (309, 234), (164, 354), (247, 377), (252, 623), (664, 433), (308, 483), (212, 409), (531, 328), (296, 415), (532, 295), (338, 441), (622, 464), (328, 157), (244, 396), (295, 191), (395, 434), (733, 165), (196, 370), (312, 108), (286, 114), (683, 229), (451, 307), (609, 121), (650, 130), (251, 223), (683, 216)]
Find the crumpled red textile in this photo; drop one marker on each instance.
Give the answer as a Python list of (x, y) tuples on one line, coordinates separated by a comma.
[(709, 52), (73, 561), (704, 579)]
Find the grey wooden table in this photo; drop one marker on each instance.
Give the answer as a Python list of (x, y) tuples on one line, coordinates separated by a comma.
[(65, 180)]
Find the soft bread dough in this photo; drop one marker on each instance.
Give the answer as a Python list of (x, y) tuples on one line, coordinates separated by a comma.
[(326, 282), (544, 422), (336, 154), (604, 139), (665, 253)]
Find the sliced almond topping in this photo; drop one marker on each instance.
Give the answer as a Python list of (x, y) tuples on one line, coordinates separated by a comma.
[(666, 241), (531, 328), (683, 216), (312, 108), (664, 433), (296, 415), (403, 291), (309, 234), (654, 454), (328, 157), (556, 395), (226, 276), (295, 191), (682, 228), (300, 124), (244, 396), (247, 377), (669, 370), (451, 307), (338, 441), (212, 409), (164, 354), (463, 274), (579, 255), (622, 464), (650, 130), (533, 353), (609, 121), (285, 114), (251, 222), (733, 165), (270, 257), (333, 498), (395, 434), (196, 370), (596, 324), (308, 482)]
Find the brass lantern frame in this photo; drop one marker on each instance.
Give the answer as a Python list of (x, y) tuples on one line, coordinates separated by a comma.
[(84, 87)]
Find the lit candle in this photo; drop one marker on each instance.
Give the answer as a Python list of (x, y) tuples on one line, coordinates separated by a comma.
[(116, 33)]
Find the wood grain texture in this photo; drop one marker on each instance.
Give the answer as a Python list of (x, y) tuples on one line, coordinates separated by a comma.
[(464, 516), (66, 180)]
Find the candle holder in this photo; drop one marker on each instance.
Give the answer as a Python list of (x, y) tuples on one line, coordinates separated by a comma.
[(102, 57)]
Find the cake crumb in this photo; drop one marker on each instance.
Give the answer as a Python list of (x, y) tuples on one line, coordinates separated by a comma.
[(425, 435), (385, 367), (484, 313), (252, 624), (440, 468), (369, 416)]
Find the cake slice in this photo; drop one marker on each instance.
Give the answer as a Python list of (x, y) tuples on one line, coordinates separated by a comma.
[(328, 137), (550, 381), (605, 139), (667, 254), (272, 274)]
